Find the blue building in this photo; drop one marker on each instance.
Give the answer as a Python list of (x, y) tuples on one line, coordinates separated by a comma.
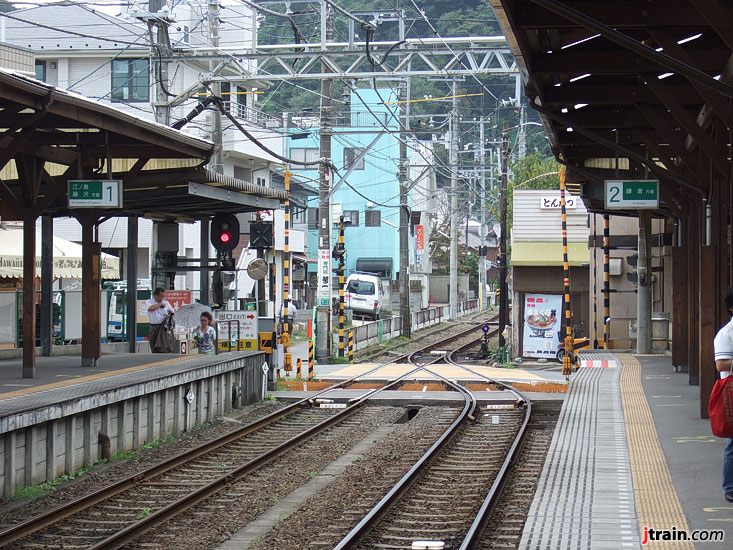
[(370, 195)]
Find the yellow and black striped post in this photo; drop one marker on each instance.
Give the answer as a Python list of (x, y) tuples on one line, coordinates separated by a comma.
[(351, 347), (606, 279), (595, 286), (273, 283), (341, 270), (310, 359), (299, 372), (568, 361), (286, 277)]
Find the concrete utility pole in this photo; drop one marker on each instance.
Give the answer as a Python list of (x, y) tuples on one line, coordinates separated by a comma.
[(404, 218), (482, 227), (453, 163), (644, 285), (503, 287), (162, 48), (217, 161), (323, 347)]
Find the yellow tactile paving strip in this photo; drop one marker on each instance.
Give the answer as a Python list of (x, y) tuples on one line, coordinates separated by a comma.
[(657, 504), (73, 381), (448, 371)]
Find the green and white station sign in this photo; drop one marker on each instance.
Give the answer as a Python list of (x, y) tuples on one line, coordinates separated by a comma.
[(632, 194), (95, 193)]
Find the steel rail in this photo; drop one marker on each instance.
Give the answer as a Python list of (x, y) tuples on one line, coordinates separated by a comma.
[(133, 531), (79, 504), (478, 526), (357, 534), (33, 524)]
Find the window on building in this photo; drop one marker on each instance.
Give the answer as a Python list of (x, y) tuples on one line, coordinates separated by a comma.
[(299, 215), (313, 218), (186, 36), (304, 154), (41, 70), (130, 80), (352, 215), (350, 154), (373, 218), (262, 181)]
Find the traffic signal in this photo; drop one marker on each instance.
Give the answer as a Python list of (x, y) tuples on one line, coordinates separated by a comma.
[(260, 235), (483, 251), (222, 288), (337, 252), (225, 232)]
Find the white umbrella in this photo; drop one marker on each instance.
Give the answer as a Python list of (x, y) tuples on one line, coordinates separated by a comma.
[(189, 315)]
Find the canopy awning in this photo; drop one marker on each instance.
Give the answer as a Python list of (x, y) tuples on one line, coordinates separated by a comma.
[(66, 256)]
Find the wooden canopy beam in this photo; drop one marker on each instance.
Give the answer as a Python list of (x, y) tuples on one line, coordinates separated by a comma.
[(619, 14), (719, 16), (688, 122)]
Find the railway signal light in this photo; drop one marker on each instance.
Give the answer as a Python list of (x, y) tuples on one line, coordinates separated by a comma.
[(221, 287), (225, 232)]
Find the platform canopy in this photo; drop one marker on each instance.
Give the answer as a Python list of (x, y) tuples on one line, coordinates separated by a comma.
[(58, 135), (629, 89)]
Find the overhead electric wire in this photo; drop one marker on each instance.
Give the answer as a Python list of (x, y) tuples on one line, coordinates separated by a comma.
[(220, 105)]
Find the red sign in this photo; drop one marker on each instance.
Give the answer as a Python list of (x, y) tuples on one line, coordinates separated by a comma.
[(177, 298), (420, 236)]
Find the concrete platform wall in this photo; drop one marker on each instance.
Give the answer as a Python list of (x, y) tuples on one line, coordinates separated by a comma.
[(42, 444)]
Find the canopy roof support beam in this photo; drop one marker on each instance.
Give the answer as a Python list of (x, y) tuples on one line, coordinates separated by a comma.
[(637, 47), (622, 150)]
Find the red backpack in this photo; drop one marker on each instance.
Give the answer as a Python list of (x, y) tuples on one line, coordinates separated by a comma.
[(720, 408)]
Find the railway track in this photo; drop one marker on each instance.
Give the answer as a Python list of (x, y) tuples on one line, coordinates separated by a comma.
[(450, 493), (121, 512)]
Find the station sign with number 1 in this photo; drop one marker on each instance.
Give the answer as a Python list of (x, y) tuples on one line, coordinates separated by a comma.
[(95, 193), (632, 194)]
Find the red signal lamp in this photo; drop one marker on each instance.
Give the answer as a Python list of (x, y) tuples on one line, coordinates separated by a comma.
[(225, 237)]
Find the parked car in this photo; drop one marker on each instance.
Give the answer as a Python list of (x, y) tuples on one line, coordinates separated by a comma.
[(366, 295)]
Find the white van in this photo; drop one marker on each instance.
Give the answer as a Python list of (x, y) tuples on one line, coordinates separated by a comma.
[(365, 295)]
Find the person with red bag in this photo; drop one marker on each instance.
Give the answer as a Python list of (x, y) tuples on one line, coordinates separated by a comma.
[(720, 401)]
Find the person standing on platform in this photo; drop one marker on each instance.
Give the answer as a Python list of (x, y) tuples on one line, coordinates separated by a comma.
[(161, 340), (723, 345), (205, 335)]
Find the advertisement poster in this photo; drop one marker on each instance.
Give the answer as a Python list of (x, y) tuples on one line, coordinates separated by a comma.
[(176, 298), (542, 320)]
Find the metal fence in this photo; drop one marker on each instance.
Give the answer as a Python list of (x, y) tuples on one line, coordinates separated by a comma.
[(383, 330)]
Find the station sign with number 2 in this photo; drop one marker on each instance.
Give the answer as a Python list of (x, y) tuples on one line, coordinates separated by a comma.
[(632, 194)]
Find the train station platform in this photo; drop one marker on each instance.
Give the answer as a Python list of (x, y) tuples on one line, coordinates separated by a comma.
[(630, 453), (70, 415)]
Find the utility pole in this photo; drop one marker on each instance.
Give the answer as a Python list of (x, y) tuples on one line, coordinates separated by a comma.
[(453, 163), (162, 47), (217, 161), (323, 347), (404, 219), (503, 288), (482, 227), (522, 137), (157, 23)]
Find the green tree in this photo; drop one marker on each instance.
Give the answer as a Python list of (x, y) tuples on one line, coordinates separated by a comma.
[(534, 171), (440, 256)]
